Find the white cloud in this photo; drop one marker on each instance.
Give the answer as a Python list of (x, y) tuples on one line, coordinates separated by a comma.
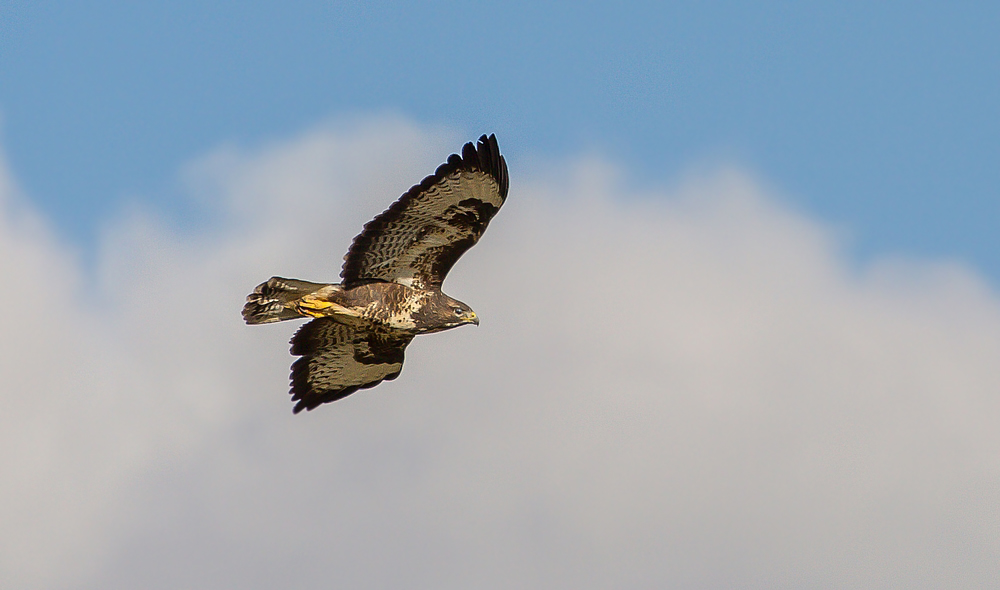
[(686, 388)]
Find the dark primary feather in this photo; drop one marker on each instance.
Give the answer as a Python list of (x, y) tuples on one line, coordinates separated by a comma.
[(420, 237), (338, 360)]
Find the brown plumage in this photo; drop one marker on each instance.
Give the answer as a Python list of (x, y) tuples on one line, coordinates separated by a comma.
[(392, 277)]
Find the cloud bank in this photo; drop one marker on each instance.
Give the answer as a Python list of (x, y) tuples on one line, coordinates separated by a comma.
[(688, 387)]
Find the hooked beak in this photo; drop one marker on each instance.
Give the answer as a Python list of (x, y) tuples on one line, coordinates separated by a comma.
[(472, 318)]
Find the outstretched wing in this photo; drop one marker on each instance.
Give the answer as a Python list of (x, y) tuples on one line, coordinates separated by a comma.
[(417, 240), (338, 360)]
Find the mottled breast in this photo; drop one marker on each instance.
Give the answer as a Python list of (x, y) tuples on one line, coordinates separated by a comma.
[(388, 304)]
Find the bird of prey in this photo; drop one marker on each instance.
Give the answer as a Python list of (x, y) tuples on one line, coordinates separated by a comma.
[(391, 281)]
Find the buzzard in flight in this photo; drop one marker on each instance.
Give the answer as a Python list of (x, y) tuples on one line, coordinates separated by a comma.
[(392, 276)]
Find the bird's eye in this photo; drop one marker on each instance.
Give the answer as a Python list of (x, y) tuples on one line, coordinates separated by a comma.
[(458, 311)]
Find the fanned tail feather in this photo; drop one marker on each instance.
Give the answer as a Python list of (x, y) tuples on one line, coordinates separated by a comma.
[(272, 301)]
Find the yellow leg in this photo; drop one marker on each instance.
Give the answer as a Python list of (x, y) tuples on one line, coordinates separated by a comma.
[(317, 308)]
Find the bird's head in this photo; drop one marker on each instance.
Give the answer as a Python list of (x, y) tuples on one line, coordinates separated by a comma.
[(441, 312), (463, 314)]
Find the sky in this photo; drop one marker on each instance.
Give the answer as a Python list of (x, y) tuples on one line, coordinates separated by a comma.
[(739, 314), (879, 117)]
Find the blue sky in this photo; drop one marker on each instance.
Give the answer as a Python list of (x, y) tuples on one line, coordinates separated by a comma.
[(880, 118)]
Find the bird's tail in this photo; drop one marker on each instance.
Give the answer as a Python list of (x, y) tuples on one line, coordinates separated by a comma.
[(273, 301)]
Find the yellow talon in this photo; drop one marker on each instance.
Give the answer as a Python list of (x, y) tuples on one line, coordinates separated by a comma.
[(313, 307), (314, 303)]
